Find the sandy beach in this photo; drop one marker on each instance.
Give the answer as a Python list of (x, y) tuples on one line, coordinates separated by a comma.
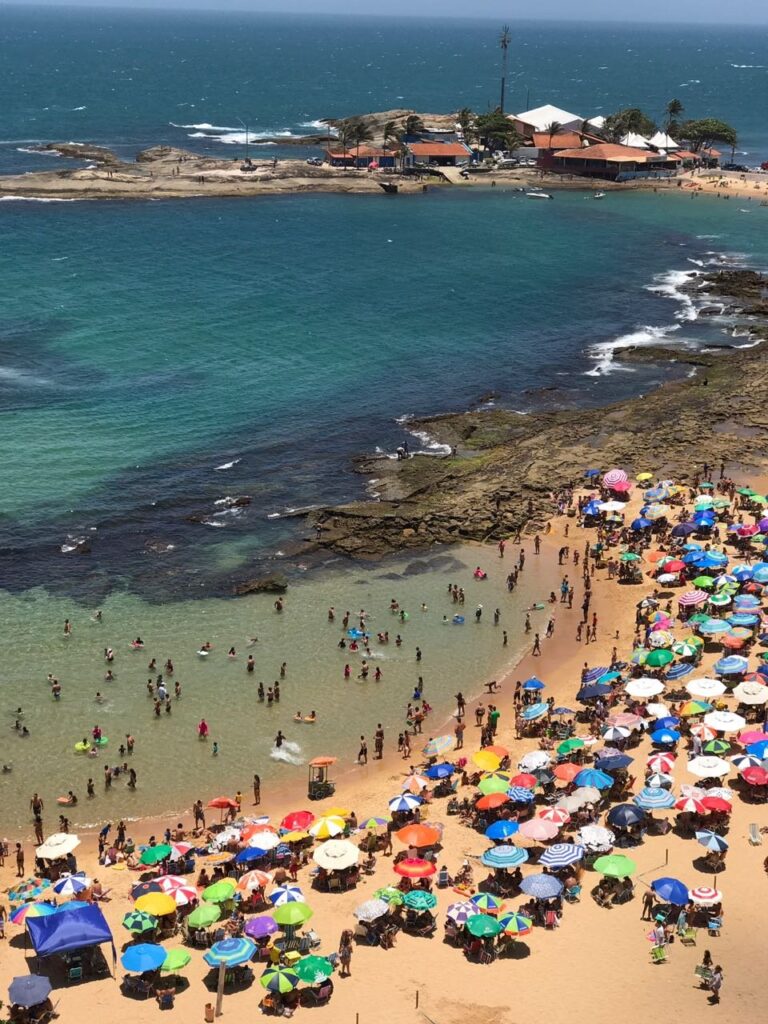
[(598, 959)]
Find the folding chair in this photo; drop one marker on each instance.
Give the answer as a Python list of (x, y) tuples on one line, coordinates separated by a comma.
[(659, 954)]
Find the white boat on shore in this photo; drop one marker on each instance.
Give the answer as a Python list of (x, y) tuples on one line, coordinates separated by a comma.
[(539, 195)]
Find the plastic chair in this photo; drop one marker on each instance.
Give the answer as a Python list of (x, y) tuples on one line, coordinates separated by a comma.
[(75, 973), (572, 894), (688, 938), (659, 954), (714, 925)]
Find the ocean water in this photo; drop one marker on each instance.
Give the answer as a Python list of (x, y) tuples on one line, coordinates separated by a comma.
[(158, 359)]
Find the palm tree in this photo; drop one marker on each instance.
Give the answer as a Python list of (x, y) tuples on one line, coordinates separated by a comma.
[(504, 40), (466, 121), (344, 133), (360, 133), (674, 110), (389, 132), (552, 129), (413, 125)]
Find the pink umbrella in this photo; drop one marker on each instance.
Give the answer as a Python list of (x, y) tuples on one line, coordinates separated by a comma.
[(661, 762), (752, 736), (614, 476), (626, 719), (748, 531), (557, 815), (170, 882), (692, 597), (621, 486), (691, 804), (703, 895), (539, 829)]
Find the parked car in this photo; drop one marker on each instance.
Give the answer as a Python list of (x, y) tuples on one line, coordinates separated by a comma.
[(507, 163), (741, 168), (764, 165)]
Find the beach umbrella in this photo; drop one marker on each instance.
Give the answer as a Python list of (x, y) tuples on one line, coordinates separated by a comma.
[(419, 900), (157, 903), (71, 885), (671, 890), (534, 684), (568, 746), (251, 881), (286, 894), (330, 826), (714, 627), (279, 979), (461, 912), (708, 766), (439, 771), (220, 892), (594, 777), (585, 795), (759, 749), (611, 506), (336, 854), (524, 779), (692, 708), (538, 829), (663, 737), (614, 476), (391, 895), (650, 798), (659, 780), (230, 952), (624, 815), (145, 956), (593, 674), (486, 760), (418, 835), (704, 896), (560, 855), (667, 722), (486, 902), (313, 970), (660, 638), (724, 721), (496, 782), (493, 800), (591, 691), (567, 771), (20, 914), (515, 924), (297, 821), (533, 760), (292, 914), (541, 887), (483, 926), (750, 736), (755, 776), (501, 830), (615, 865), (29, 990), (711, 841), (714, 802), (175, 960), (57, 845), (371, 910), (658, 659), (250, 854), (685, 649), (504, 857), (138, 922), (646, 686), (405, 802), (682, 668), (204, 915), (751, 692), (613, 761), (733, 665), (595, 837), (260, 927), (265, 841), (743, 761), (534, 711), (719, 747), (155, 854), (691, 804), (414, 867), (411, 784), (661, 762), (437, 746), (558, 815), (705, 687)]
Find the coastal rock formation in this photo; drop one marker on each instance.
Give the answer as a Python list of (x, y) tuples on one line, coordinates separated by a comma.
[(83, 151), (506, 468), (276, 584)]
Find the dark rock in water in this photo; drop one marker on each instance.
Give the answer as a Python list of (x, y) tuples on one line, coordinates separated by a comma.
[(389, 576), (276, 584), (710, 311), (417, 568)]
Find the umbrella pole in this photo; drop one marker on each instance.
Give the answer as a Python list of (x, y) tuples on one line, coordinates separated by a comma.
[(220, 988)]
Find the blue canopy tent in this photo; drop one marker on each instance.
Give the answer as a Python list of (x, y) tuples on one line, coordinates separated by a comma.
[(62, 933)]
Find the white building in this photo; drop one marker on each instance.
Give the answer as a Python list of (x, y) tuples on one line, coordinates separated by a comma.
[(540, 118)]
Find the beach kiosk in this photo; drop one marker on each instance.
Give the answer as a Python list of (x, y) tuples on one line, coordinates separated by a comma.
[(320, 786)]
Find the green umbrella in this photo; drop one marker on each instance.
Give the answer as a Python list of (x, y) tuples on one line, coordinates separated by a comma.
[(203, 916), (722, 503), (280, 979), (390, 894), (720, 600), (685, 649), (615, 865), (292, 914), (154, 854), (493, 784), (417, 899), (567, 746), (219, 892), (706, 486), (746, 491), (703, 582), (717, 747), (138, 922), (698, 618), (314, 969), (483, 926), (176, 959), (629, 556), (659, 658)]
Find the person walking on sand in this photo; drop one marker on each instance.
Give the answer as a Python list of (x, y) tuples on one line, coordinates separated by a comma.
[(715, 985), (256, 790), (345, 953), (536, 645), (19, 861)]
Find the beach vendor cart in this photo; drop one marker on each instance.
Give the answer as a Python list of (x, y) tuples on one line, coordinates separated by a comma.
[(320, 785)]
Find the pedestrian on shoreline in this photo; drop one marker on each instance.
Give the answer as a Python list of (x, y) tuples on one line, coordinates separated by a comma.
[(715, 985), (19, 861), (362, 755), (256, 790), (536, 645), (345, 953)]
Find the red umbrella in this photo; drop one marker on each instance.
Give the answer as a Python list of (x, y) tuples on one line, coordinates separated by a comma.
[(716, 803), (675, 565), (414, 868), (525, 780), (567, 771), (222, 802), (690, 804), (297, 821), (733, 642), (487, 803), (755, 776)]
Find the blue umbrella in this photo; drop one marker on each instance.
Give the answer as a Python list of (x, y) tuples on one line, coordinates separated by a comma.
[(594, 777), (501, 829), (593, 690), (733, 665), (712, 560), (623, 815), (759, 749), (614, 763), (714, 627), (440, 771), (563, 711), (747, 601), (665, 736), (668, 722), (541, 887), (250, 853), (671, 890), (742, 572), (641, 523), (29, 990), (146, 956), (533, 684), (650, 798), (679, 670), (521, 795), (743, 619), (592, 472), (592, 508), (684, 529), (656, 492), (593, 674), (65, 908), (405, 802), (71, 884), (760, 575), (504, 857), (535, 711), (608, 677), (711, 841), (560, 855), (230, 952)]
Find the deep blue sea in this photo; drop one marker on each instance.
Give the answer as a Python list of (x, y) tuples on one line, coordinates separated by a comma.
[(145, 344)]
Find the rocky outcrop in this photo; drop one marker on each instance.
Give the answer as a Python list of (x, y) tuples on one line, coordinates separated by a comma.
[(276, 584), (83, 151)]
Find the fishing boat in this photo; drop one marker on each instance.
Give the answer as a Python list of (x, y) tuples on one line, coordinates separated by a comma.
[(599, 195), (539, 195)]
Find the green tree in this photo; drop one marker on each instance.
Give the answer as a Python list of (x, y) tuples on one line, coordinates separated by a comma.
[(674, 109), (389, 134), (630, 120), (552, 129), (359, 133), (413, 125), (497, 131), (344, 135), (703, 133), (466, 121)]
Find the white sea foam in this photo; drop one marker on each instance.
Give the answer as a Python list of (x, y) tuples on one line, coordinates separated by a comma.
[(431, 446), (603, 353), (670, 285), (36, 199), (747, 65), (708, 236), (205, 127), (318, 126), (79, 108), (228, 465), (38, 152), (71, 544), (289, 753)]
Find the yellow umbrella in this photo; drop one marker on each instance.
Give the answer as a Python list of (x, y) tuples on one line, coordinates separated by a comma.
[(327, 827), (294, 837), (157, 903), (217, 858), (338, 812), (644, 476), (486, 761)]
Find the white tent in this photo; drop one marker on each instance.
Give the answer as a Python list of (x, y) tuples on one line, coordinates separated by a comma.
[(540, 118), (596, 122), (662, 141), (635, 141)]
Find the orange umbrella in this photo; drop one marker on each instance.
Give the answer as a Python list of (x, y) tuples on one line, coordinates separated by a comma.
[(223, 802), (322, 762), (656, 556), (253, 880), (251, 830), (418, 835), (486, 803), (412, 867), (499, 751), (734, 642), (567, 771)]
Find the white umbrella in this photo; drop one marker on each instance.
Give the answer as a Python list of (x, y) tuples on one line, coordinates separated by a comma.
[(695, 792), (336, 854), (725, 721), (708, 767), (570, 803), (535, 759), (646, 686), (371, 910), (230, 833), (611, 506), (616, 732), (657, 710), (659, 780), (57, 845), (722, 792), (586, 794), (264, 841), (705, 687), (595, 836), (751, 693)]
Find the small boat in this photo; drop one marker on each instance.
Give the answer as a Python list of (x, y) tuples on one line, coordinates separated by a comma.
[(599, 195), (539, 195)]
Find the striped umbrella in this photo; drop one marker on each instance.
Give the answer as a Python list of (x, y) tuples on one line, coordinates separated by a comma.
[(183, 895), (650, 799), (138, 922), (521, 795), (71, 885), (693, 597), (659, 780), (405, 802), (691, 804), (515, 924), (286, 894), (253, 880), (412, 784), (704, 732), (611, 733), (461, 912), (560, 855), (230, 952), (20, 914), (661, 762), (330, 826), (391, 895), (504, 857), (279, 979), (419, 900), (486, 902), (717, 747), (711, 841), (692, 708), (685, 649), (704, 896), (558, 815), (614, 476), (436, 746), (535, 711), (743, 761)]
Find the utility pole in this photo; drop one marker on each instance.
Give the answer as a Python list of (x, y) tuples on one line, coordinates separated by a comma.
[(246, 137), (504, 40)]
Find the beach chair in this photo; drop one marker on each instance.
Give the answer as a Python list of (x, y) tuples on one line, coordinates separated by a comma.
[(688, 938), (714, 925), (659, 954), (551, 919), (572, 894), (75, 973), (334, 884), (755, 838), (704, 974), (319, 996)]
